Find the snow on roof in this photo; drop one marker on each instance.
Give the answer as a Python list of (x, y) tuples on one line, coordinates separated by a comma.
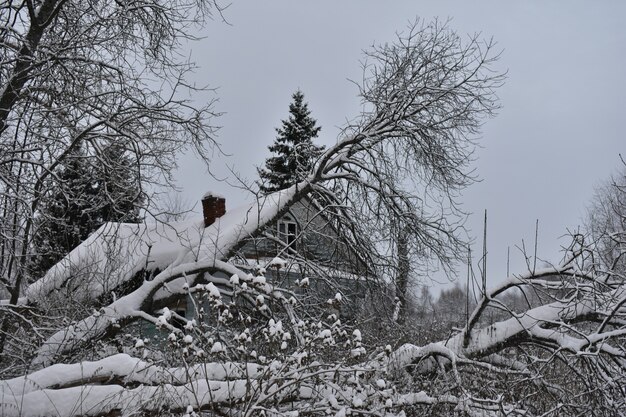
[(212, 194), (116, 252)]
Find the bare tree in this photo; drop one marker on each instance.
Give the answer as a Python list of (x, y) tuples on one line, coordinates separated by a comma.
[(424, 99), (606, 223), (84, 74)]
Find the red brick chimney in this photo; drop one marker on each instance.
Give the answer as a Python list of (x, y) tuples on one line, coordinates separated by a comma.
[(213, 207)]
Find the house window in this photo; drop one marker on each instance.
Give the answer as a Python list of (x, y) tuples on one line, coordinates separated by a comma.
[(287, 232)]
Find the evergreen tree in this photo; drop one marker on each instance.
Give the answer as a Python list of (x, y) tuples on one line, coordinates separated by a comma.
[(80, 199), (119, 188), (294, 151)]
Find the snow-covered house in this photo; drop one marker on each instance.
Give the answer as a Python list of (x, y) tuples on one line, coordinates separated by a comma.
[(302, 250)]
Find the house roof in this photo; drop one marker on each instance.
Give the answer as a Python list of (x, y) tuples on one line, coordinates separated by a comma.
[(116, 252)]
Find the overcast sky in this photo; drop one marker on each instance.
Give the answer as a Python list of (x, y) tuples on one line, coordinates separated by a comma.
[(558, 134)]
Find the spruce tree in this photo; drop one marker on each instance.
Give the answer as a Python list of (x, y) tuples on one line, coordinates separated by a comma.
[(294, 150), (63, 219), (79, 200), (119, 188)]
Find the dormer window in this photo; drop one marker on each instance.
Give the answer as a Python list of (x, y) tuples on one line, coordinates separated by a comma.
[(288, 232)]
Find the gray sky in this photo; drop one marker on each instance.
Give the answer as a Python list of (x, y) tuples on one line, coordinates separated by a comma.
[(557, 136)]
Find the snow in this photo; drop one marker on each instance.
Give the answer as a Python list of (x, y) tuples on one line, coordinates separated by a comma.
[(124, 367), (164, 318), (356, 352), (341, 412), (396, 310), (259, 280), (357, 402), (245, 336), (212, 194), (114, 254), (277, 262), (217, 347), (260, 265), (104, 399), (325, 333), (481, 340), (213, 290), (275, 327)]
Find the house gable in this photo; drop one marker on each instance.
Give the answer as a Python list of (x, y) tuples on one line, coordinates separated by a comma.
[(305, 232)]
